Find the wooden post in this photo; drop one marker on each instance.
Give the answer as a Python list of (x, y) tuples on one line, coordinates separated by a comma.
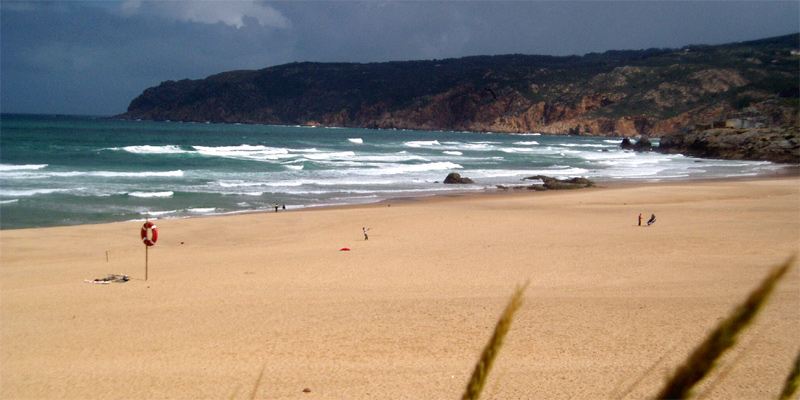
[(146, 253)]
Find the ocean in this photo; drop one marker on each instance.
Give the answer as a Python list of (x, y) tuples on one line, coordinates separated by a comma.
[(68, 170)]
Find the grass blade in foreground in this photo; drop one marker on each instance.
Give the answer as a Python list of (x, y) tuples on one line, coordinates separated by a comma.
[(703, 358), (484, 365), (792, 381), (258, 382)]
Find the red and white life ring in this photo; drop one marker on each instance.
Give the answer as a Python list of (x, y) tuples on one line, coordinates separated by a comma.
[(153, 237)]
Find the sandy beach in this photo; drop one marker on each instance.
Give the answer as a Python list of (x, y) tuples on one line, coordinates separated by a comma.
[(611, 307)]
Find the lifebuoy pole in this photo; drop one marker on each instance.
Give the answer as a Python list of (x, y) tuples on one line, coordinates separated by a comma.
[(148, 240)]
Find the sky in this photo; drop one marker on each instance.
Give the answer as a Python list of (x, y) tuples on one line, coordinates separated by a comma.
[(94, 57)]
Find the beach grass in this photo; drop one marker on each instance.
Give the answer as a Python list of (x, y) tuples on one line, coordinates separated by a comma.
[(484, 364), (792, 380), (254, 392), (723, 337)]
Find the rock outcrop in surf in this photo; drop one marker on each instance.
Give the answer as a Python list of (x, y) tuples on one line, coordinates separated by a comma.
[(456, 178)]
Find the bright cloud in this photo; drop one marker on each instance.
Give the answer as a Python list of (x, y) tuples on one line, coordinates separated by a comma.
[(232, 13)]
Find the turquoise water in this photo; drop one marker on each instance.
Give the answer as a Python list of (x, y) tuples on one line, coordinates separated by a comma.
[(57, 170)]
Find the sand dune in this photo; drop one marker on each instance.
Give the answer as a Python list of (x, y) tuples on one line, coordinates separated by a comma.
[(405, 314)]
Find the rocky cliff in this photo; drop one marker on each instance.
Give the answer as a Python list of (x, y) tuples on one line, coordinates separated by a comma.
[(651, 92), (768, 144)]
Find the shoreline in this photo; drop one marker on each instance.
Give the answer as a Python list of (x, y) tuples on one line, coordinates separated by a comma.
[(788, 171), (406, 313)]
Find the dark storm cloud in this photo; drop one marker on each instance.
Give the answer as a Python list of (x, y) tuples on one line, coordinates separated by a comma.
[(94, 57)]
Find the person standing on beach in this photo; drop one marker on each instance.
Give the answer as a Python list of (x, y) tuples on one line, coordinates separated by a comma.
[(365, 230), (640, 219), (276, 207)]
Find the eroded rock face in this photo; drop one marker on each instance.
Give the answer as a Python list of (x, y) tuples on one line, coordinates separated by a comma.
[(780, 145), (456, 178)]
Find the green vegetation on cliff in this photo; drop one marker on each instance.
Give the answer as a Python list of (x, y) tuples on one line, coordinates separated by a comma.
[(654, 91)]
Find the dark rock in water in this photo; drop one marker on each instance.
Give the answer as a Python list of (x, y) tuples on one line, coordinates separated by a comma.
[(626, 144), (781, 145), (456, 178), (643, 144), (581, 181), (558, 184)]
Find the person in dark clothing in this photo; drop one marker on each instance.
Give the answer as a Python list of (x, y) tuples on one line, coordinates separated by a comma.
[(640, 219), (652, 220)]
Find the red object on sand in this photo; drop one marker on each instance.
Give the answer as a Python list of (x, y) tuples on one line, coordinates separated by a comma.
[(344, 249), (149, 226)]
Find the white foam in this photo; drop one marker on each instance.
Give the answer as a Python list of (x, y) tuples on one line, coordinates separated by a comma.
[(9, 201), (342, 163), (105, 174), (503, 173), (294, 167), (323, 181), (335, 155), (422, 143), (354, 182), (29, 192), (151, 194), (13, 167), (453, 153), (254, 194), (517, 150), (584, 145), (201, 210), (23, 175), (148, 149), (247, 152), (157, 213), (238, 184), (395, 169), (608, 155), (355, 140), (474, 146), (114, 174), (397, 157), (291, 183), (527, 143)]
